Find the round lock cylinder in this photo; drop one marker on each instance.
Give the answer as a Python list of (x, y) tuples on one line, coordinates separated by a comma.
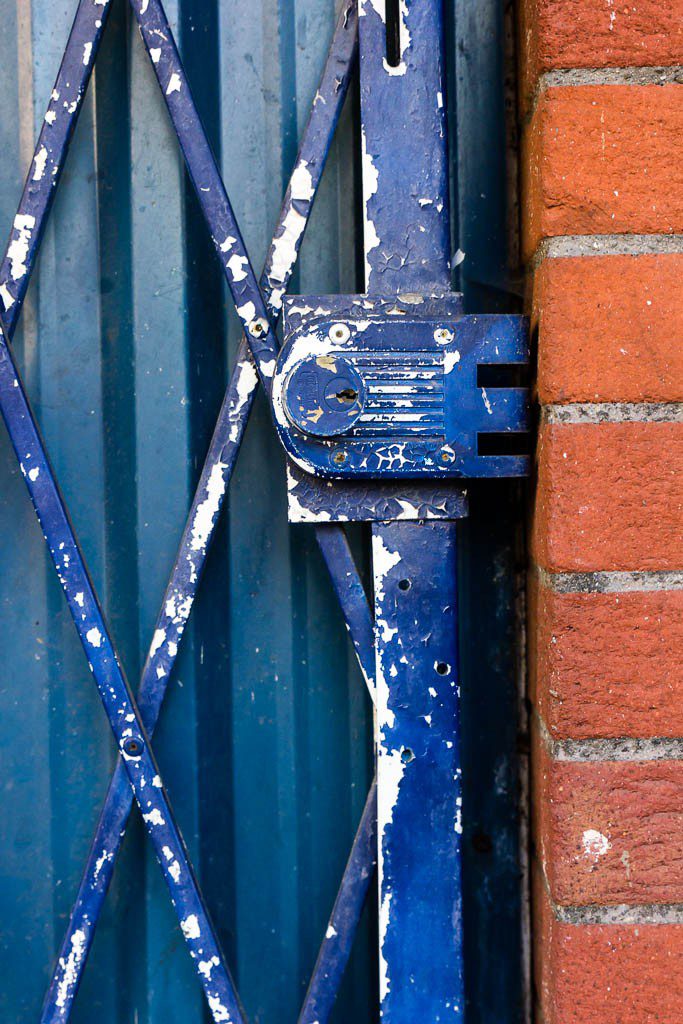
[(324, 396)]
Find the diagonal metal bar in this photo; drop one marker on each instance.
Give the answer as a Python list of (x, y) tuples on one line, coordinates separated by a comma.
[(343, 924), (205, 512), (50, 153), (206, 178), (124, 717), (35, 206)]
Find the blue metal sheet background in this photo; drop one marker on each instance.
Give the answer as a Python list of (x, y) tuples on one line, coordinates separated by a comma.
[(265, 735)]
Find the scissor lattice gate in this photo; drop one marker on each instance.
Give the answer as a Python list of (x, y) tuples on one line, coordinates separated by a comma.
[(168, 443)]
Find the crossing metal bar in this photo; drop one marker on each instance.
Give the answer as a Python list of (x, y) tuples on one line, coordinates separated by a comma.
[(124, 718), (46, 167), (204, 515), (206, 509)]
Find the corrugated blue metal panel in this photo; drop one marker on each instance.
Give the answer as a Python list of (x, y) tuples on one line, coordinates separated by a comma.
[(125, 342)]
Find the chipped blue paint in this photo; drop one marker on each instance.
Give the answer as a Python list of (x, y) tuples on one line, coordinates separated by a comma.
[(406, 257), (418, 772), (395, 395), (366, 390)]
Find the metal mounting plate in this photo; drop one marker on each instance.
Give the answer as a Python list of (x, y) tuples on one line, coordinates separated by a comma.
[(377, 389)]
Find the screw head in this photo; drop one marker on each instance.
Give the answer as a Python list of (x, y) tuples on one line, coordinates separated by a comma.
[(442, 336), (258, 327), (340, 456), (447, 455), (339, 333)]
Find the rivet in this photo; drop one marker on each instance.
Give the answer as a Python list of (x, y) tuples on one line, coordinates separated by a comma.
[(340, 456), (133, 746), (442, 336), (339, 333), (258, 327), (447, 455)]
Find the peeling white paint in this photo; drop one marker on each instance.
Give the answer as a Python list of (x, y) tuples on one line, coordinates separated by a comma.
[(157, 641), (301, 183), (204, 516), (19, 247), (450, 360), (87, 53), (155, 54), (284, 248), (237, 266), (154, 817), (94, 637), (190, 927), (174, 84), (70, 966)]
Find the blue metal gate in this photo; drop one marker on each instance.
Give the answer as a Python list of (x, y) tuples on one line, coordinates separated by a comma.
[(265, 739)]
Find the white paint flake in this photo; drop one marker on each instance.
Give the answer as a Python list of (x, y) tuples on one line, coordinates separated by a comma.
[(285, 246), (301, 183), (155, 54), (450, 359), (227, 245), (220, 1014), (50, 117), (34, 473), (69, 967), (174, 84), (18, 250), (94, 637), (370, 184), (190, 927), (206, 966), (487, 403), (157, 641), (87, 53), (247, 312), (154, 817), (237, 266), (6, 296), (204, 516), (331, 932)]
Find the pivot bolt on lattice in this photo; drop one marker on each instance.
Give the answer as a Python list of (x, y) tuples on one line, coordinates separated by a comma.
[(133, 746), (257, 328)]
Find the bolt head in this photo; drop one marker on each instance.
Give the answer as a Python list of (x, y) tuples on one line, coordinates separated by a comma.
[(258, 327)]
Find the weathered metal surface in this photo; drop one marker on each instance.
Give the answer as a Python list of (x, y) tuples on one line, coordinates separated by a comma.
[(419, 807), (394, 395), (406, 242), (150, 146)]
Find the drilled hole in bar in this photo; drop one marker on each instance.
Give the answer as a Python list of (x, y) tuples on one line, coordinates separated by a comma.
[(442, 668), (404, 584), (510, 443), (503, 375), (393, 27)]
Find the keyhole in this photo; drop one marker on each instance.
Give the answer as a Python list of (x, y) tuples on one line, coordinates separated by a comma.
[(393, 26), (347, 395)]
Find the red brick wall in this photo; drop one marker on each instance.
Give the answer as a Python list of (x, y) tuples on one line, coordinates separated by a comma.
[(602, 175)]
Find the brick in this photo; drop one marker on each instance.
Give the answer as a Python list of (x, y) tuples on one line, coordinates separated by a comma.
[(609, 497), (597, 34), (611, 974), (609, 328), (603, 160), (609, 832), (607, 665)]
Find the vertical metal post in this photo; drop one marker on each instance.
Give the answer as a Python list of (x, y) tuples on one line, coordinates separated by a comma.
[(418, 754)]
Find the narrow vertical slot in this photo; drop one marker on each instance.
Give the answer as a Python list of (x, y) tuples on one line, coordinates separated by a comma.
[(393, 27)]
